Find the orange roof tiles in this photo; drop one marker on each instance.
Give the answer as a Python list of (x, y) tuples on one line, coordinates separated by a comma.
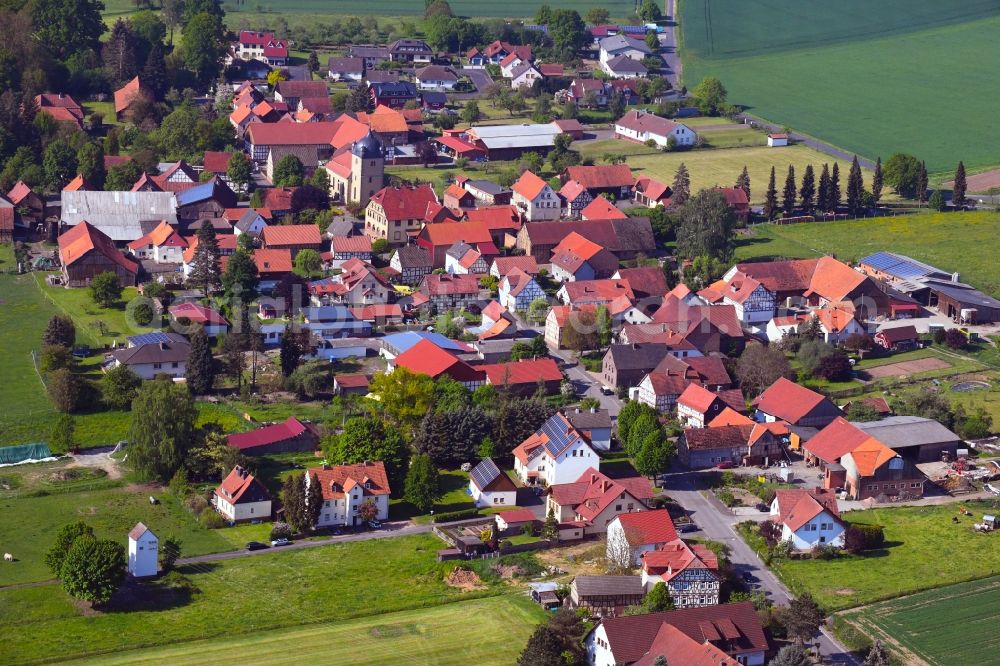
[(602, 209), (529, 185), (870, 455), (291, 235), (648, 527), (270, 262), (522, 372), (789, 401), (834, 280), (337, 480), (604, 176), (729, 416), (125, 94), (83, 238)]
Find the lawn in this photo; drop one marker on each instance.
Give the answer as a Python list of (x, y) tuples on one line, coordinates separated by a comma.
[(940, 239), (924, 549), (30, 524), (455, 496), (268, 591), (23, 316), (809, 64), (440, 635), (717, 167), (950, 625), (78, 304)]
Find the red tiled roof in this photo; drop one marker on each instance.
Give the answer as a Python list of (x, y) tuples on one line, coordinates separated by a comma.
[(721, 437), (163, 235), (376, 311), (781, 276), (216, 161), (870, 455), (648, 527), (517, 516), (525, 263), (270, 262), (444, 284), (356, 380), (630, 637), (19, 192), (604, 176), (226, 242), (271, 434), (197, 313), (291, 235), (595, 291), (529, 185), (683, 649), (404, 203), (292, 134), (787, 400), (645, 281), (495, 217), (796, 507), (83, 238), (834, 280), (554, 69), (593, 491), (642, 121), (527, 371), (697, 397), (278, 198), (241, 486), (571, 190), (602, 209), (125, 94), (653, 189), (6, 219), (448, 233), (729, 416), (426, 358), (352, 244), (672, 558), (340, 479)]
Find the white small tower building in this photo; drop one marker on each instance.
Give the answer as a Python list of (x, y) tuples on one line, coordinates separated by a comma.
[(143, 552)]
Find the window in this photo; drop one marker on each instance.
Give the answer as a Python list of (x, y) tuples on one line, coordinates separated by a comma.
[(173, 365), (157, 366), (618, 507)]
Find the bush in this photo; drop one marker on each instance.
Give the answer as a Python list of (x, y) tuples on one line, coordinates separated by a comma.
[(955, 339), (726, 497), (825, 552), (54, 357), (143, 314), (212, 520), (196, 504), (65, 390), (940, 336), (860, 537), (451, 516), (281, 531)]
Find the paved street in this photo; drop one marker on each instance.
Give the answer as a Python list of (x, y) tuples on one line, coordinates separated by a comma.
[(716, 522), (668, 45)]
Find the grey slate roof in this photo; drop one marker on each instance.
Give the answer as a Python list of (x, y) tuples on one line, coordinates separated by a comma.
[(645, 356), (619, 42), (584, 419), (898, 432), (412, 256), (118, 214), (164, 352), (624, 64)]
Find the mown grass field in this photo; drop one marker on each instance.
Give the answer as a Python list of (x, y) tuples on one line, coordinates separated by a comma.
[(949, 625), (722, 166), (924, 549), (441, 635), (30, 524), (272, 590), (964, 242), (862, 75)]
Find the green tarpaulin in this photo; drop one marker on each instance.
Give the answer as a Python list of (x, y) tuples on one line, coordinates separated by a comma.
[(15, 454)]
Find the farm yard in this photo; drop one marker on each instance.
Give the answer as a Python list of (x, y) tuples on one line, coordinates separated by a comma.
[(780, 69), (942, 240), (225, 598), (438, 635), (949, 625), (917, 541)]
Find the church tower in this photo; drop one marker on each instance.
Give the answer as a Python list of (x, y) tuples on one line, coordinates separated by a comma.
[(367, 168)]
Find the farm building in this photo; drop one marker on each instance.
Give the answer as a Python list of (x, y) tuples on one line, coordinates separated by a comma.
[(290, 435)]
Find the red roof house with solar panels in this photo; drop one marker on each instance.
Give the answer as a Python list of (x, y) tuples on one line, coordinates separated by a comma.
[(555, 453), (490, 486), (290, 435)]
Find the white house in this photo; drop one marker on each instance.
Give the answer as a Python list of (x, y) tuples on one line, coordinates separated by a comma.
[(164, 357), (524, 76), (242, 498), (535, 198), (595, 424), (143, 552), (690, 572), (436, 77), (623, 46), (347, 488), (777, 140), (594, 499), (780, 327), (162, 245), (632, 534), (463, 259), (491, 487), (642, 126), (518, 290), (251, 222), (753, 302), (808, 518), (555, 453)]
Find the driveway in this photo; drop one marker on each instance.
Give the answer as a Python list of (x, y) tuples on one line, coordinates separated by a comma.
[(716, 522), (668, 45), (480, 78)]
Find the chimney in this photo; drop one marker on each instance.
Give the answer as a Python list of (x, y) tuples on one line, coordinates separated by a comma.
[(593, 478), (954, 277)]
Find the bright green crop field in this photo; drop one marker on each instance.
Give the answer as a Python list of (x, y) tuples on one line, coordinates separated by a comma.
[(962, 242), (949, 625), (871, 77)]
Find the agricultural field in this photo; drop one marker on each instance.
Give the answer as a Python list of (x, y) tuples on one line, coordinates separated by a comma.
[(220, 599), (439, 635), (856, 73), (949, 625), (711, 167), (940, 239), (917, 541)]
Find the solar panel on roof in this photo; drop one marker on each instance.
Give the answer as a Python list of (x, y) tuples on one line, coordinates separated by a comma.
[(558, 438), (148, 339), (485, 473)]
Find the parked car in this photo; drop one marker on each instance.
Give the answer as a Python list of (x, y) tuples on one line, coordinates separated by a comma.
[(374, 524), (256, 545), (280, 542), (686, 527), (726, 464), (606, 391)]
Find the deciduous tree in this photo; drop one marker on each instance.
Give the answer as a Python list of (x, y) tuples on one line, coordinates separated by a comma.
[(759, 367), (367, 438), (288, 172), (59, 331), (93, 570), (65, 390), (709, 94), (803, 618), (902, 173), (162, 429), (67, 534), (119, 386)]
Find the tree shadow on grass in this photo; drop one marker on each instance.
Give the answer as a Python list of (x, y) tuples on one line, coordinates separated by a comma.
[(172, 590)]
